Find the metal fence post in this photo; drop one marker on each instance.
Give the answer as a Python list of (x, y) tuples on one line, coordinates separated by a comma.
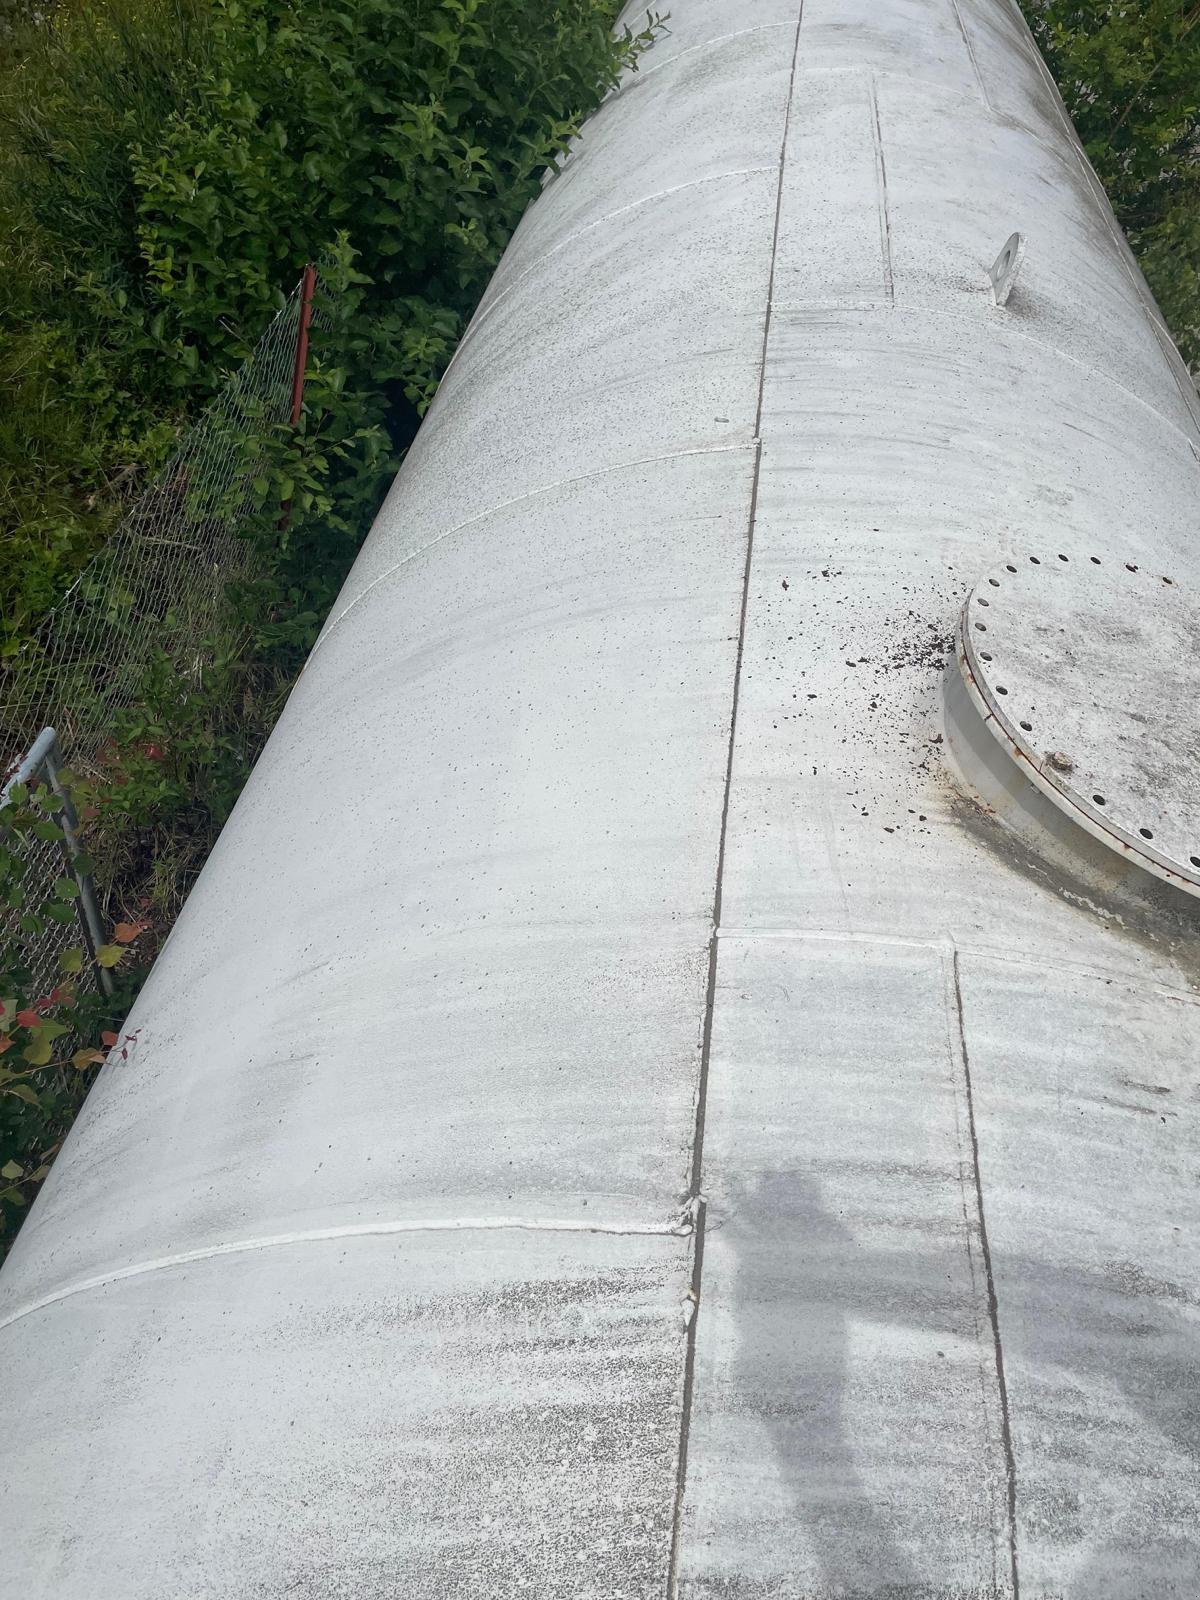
[(308, 284), (44, 756), (89, 912)]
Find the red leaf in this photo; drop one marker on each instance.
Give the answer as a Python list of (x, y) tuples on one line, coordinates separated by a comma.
[(5, 1043), (27, 1018), (127, 932), (108, 1037)]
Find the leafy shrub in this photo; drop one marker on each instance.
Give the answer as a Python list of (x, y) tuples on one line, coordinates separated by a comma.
[(1130, 77), (83, 406), (170, 165)]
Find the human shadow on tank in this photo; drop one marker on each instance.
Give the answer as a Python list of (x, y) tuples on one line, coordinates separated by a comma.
[(804, 1282), (794, 1311)]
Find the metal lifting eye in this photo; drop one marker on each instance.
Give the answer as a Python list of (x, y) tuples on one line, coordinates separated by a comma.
[(1006, 267)]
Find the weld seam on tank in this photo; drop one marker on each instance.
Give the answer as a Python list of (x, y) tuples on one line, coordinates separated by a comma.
[(680, 1229), (504, 505), (993, 1298), (486, 310), (696, 1194)]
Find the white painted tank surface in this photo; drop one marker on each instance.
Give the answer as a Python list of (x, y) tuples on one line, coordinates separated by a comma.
[(650, 1095)]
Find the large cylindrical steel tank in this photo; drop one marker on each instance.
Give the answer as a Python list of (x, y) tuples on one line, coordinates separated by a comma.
[(643, 1098)]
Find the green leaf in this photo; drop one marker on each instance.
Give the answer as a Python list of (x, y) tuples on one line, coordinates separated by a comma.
[(22, 1091), (11, 1169), (108, 955), (66, 888), (71, 960)]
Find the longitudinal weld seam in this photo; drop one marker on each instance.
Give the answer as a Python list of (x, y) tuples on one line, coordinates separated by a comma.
[(696, 1196), (885, 217), (1010, 1460), (966, 39)]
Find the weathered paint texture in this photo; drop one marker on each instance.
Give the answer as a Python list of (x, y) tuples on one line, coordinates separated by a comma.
[(607, 856)]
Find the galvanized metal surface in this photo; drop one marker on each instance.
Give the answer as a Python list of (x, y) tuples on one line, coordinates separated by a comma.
[(1090, 673), (607, 857)]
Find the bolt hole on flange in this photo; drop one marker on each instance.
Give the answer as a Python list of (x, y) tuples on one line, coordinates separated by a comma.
[(1115, 688)]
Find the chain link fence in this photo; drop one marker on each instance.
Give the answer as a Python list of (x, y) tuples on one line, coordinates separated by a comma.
[(159, 586)]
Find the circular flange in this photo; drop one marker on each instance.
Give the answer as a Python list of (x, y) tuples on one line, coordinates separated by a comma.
[(1088, 672)]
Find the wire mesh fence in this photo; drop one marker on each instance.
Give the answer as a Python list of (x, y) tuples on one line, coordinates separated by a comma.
[(161, 580), (160, 586)]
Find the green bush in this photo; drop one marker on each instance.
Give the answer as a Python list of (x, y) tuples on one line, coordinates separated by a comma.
[(1130, 77), (168, 166), (84, 408)]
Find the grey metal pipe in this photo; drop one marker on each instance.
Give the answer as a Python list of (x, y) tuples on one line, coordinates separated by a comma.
[(646, 1126)]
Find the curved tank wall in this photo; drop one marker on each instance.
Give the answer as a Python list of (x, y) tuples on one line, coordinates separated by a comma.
[(614, 1118)]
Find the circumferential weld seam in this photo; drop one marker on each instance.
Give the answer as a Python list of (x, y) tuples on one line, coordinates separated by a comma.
[(917, 310), (640, 74), (485, 311), (681, 1227), (530, 494), (979, 952), (1065, 355)]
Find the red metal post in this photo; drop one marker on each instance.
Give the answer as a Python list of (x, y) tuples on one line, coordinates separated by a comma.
[(308, 284)]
